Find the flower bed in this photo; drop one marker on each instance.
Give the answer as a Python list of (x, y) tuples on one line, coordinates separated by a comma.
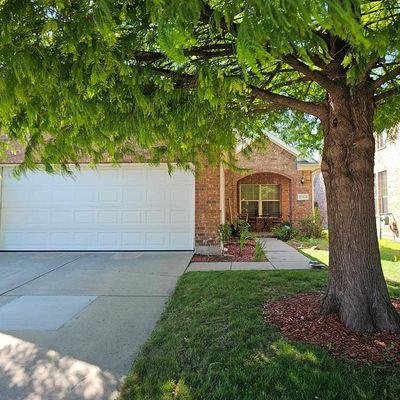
[(299, 319), (232, 253)]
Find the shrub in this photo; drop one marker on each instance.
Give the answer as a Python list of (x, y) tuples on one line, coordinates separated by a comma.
[(284, 232), (259, 252), (242, 225), (325, 234), (245, 235), (225, 232), (312, 226)]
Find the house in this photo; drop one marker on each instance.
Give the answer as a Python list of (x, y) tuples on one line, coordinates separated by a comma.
[(141, 207), (320, 197), (387, 184)]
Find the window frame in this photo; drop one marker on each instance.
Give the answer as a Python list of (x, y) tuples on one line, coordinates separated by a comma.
[(383, 199), (381, 140), (260, 200)]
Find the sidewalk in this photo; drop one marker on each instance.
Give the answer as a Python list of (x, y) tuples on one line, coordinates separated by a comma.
[(279, 254)]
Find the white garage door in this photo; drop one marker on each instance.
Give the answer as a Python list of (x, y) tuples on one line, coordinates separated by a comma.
[(132, 207)]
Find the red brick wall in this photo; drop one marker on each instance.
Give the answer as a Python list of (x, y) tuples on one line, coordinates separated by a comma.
[(207, 207), (275, 165)]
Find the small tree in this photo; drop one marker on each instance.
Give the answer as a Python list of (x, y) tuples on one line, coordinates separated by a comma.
[(81, 78)]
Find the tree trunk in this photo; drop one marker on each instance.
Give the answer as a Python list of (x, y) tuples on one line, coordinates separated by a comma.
[(357, 289)]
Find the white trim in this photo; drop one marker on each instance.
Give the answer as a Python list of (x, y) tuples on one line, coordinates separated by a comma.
[(94, 166), (222, 193), (1, 193), (281, 143), (260, 200), (308, 167)]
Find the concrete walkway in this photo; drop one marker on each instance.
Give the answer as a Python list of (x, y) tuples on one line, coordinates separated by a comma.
[(72, 323), (279, 254)]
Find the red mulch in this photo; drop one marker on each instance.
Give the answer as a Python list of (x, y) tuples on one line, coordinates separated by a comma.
[(298, 319), (232, 254)]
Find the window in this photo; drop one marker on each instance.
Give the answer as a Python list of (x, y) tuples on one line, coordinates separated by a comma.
[(376, 193), (382, 192), (271, 200), (260, 200), (381, 140), (249, 195)]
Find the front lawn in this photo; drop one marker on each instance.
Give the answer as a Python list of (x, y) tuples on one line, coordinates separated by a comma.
[(213, 343), (390, 255)]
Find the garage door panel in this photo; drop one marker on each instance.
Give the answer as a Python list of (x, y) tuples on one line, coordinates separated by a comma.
[(133, 240), (58, 239), (105, 209), (134, 195), (179, 239), (108, 196), (132, 217), (61, 217)]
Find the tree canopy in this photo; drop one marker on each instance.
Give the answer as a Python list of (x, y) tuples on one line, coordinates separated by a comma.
[(184, 80)]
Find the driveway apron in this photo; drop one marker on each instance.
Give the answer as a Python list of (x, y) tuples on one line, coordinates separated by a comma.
[(71, 323)]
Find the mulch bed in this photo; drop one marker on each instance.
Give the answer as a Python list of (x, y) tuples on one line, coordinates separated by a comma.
[(298, 319), (232, 254)]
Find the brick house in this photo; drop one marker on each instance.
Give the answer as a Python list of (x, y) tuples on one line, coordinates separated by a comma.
[(137, 206), (387, 188), (387, 185), (276, 184)]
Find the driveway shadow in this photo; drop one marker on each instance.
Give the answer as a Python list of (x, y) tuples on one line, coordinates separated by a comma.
[(32, 373)]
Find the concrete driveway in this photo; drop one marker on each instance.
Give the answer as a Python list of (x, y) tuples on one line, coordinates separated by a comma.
[(72, 323)]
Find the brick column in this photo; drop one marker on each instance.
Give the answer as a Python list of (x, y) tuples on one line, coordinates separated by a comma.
[(302, 208), (208, 213)]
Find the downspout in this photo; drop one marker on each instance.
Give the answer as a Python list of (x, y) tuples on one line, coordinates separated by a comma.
[(222, 200), (291, 202), (222, 193), (313, 175), (1, 194)]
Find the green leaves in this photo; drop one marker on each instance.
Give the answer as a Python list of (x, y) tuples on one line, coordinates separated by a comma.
[(106, 79)]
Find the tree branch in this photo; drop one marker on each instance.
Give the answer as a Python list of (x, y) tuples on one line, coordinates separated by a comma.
[(385, 78), (264, 109), (207, 51), (291, 82), (181, 80), (316, 76), (316, 109), (386, 94)]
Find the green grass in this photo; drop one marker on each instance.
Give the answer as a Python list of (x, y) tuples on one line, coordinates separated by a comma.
[(389, 252), (212, 343)]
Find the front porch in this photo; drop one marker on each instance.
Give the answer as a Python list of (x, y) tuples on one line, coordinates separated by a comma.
[(263, 199)]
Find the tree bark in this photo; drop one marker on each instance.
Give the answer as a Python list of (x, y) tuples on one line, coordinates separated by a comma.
[(357, 289)]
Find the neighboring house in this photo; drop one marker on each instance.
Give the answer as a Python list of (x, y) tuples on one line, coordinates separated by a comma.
[(387, 185), (320, 197), (140, 207)]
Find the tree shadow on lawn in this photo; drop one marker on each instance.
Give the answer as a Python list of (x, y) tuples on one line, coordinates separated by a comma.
[(213, 343), (388, 254), (394, 289), (283, 370)]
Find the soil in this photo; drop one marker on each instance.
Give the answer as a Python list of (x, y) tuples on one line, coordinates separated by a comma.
[(299, 319), (232, 253)]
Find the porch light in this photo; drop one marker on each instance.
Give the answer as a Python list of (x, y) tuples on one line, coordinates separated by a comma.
[(302, 180)]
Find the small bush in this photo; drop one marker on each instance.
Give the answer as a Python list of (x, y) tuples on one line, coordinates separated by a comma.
[(259, 252), (225, 232), (284, 232), (312, 226), (325, 234), (245, 235), (242, 226)]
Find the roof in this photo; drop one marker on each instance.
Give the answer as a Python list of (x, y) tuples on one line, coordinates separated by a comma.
[(16, 156)]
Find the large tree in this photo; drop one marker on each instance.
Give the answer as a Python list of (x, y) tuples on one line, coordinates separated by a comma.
[(186, 79)]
